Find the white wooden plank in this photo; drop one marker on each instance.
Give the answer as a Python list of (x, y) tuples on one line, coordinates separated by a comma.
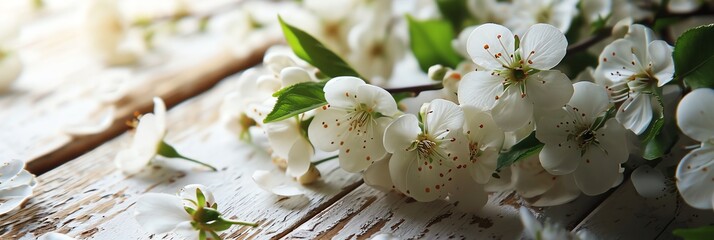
[(366, 212), (89, 198)]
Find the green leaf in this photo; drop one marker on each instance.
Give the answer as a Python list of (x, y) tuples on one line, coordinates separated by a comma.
[(694, 57), (312, 51), (201, 199), (296, 99), (700, 233), (657, 145), (431, 43), (523, 149), (455, 11)]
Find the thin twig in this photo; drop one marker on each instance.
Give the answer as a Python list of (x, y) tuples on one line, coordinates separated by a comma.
[(416, 89)]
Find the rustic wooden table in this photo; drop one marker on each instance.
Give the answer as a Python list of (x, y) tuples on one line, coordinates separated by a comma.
[(82, 194)]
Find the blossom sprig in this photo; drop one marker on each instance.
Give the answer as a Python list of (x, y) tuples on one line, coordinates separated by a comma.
[(149, 142), (192, 213)]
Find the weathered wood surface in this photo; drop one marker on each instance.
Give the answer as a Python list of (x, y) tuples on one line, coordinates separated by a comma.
[(89, 198), (627, 215), (56, 86)]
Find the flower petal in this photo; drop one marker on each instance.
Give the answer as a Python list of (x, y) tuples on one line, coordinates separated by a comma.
[(159, 212), (413, 178), (597, 172), (11, 198), (299, 157), (695, 114), (188, 192), (543, 46), (148, 135), (294, 75), (530, 179), (560, 158), (362, 147), (377, 175), (532, 227), (378, 99), (276, 184), (549, 89), (129, 161), (9, 169), (341, 91), (282, 135), (555, 126), (443, 116), (487, 41), (640, 36), (480, 89), (400, 134), (635, 113), (615, 62), (662, 62), (589, 99), (160, 113), (483, 166), (512, 111), (328, 128), (564, 190), (480, 128), (648, 182), (186, 231), (613, 138), (470, 196), (694, 177)]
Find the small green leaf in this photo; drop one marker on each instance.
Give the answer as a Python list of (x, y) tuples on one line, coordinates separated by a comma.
[(431, 43), (455, 11), (694, 57), (312, 51), (657, 145), (297, 99), (700, 233), (523, 149), (201, 199)]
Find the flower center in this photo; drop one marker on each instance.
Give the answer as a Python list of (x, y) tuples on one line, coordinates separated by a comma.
[(474, 151), (425, 146)]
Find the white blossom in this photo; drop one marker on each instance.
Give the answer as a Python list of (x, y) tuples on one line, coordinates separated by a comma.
[(108, 36), (695, 117), (485, 140), (16, 185), (149, 136), (516, 82), (579, 141), (559, 13), (534, 229), (353, 122), (635, 67)]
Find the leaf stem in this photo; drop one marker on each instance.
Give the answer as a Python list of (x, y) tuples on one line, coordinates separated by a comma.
[(324, 160), (416, 89), (199, 162)]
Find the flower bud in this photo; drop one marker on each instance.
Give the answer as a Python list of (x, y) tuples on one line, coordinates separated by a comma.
[(437, 72), (621, 28)]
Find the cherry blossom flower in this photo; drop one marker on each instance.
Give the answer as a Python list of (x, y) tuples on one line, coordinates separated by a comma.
[(16, 185), (516, 81), (694, 172), (107, 35), (430, 163), (192, 214), (276, 183), (579, 140), (559, 13), (485, 141), (249, 26), (353, 122), (148, 142), (635, 67)]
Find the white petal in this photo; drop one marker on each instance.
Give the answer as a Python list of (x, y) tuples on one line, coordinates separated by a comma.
[(276, 184), (544, 45), (482, 167), (340, 91), (299, 157), (649, 182), (555, 126), (11, 198), (377, 98), (22, 178), (148, 135), (695, 176), (186, 231), (564, 190), (615, 62), (489, 40), (160, 113), (636, 112), (480, 89), (159, 212), (54, 236), (597, 172), (400, 134), (129, 161), (590, 99), (294, 75), (414, 178), (9, 169), (695, 113), (362, 148), (189, 192), (99, 123), (560, 158), (377, 175), (470, 196), (640, 36), (443, 116), (480, 127), (549, 89), (512, 111), (613, 137), (328, 128), (282, 135), (530, 179), (662, 62)]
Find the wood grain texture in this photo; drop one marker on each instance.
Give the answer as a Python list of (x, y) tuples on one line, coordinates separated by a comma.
[(627, 215), (56, 85), (89, 198), (366, 212)]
